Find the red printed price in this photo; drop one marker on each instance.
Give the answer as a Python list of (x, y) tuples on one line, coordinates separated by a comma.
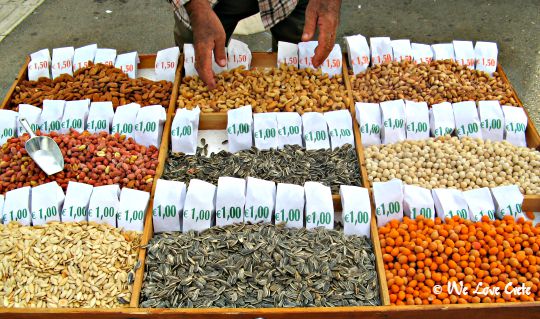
[(307, 61), (165, 65), (363, 60), (81, 65), (38, 65), (66, 64), (290, 60), (488, 62), (333, 63), (127, 68), (239, 58), (384, 58)]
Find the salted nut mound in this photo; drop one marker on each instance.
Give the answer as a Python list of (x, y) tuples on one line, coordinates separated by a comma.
[(436, 82), (96, 82), (283, 89)]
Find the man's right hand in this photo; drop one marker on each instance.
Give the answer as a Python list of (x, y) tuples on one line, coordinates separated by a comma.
[(208, 36)]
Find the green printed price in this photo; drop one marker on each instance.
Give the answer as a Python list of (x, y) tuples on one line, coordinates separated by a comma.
[(52, 125), (512, 210), (424, 211), (319, 218), (466, 130), (97, 125), (234, 212), (102, 212), (7, 132), (146, 127), (201, 215), (515, 127), (265, 134), (75, 212), (289, 131), (370, 129), (182, 131), (441, 131), (388, 209), (237, 129), (344, 132), (19, 214), (262, 212), (489, 213), (493, 124), (123, 128), (45, 214), (462, 213), (293, 215), (394, 123), (133, 216), (163, 212), (72, 123), (417, 127), (356, 218), (316, 136)]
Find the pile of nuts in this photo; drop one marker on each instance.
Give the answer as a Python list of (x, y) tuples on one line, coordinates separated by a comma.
[(98, 83), (283, 89), (95, 159), (433, 83), (60, 265), (449, 162)]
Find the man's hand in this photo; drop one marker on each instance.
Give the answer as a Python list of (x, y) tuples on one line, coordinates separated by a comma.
[(208, 36), (323, 14)]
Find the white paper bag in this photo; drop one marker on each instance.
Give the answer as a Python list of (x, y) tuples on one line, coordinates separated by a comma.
[(421, 53), (417, 120), (480, 203), (358, 50), (306, 51), (75, 116), (491, 120), (265, 130), (289, 129), (368, 116), (62, 61), (166, 63), (230, 201), (287, 53), (149, 125), (83, 56), (8, 125), (104, 204), (356, 210), (76, 202), (339, 128), (467, 121), (450, 202), (51, 116), (464, 52), (508, 201), (319, 206), (333, 64), (199, 206), (393, 119), (189, 60), (381, 50), (315, 131), (485, 54), (401, 50), (388, 197), (39, 65), (290, 205), (124, 119), (168, 205), (260, 200), (127, 62), (418, 201), (515, 125), (441, 119), (105, 56), (184, 131), (238, 54), (100, 117), (132, 209), (443, 51), (32, 114), (239, 128), (47, 200), (17, 206)]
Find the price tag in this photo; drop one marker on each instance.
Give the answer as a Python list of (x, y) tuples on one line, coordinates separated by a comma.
[(189, 60), (199, 206), (124, 119), (339, 128), (104, 204), (287, 54), (17, 206), (467, 121), (441, 119), (8, 125), (315, 131), (238, 54), (369, 120), (265, 130), (47, 200), (388, 197), (132, 209), (230, 201), (289, 129), (450, 202), (332, 65), (105, 56), (32, 114), (485, 54), (515, 125), (402, 50), (319, 206), (418, 201), (100, 117), (480, 203), (393, 119), (75, 116), (381, 50), (166, 63), (51, 116), (39, 65), (62, 61), (508, 201), (168, 205), (84, 56), (417, 120), (306, 51), (464, 52), (239, 128), (149, 125), (358, 50), (421, 53), (76, 202), (260, 200), (356, 210), (290, 205), (184, 131), (491, 120), (127, 62), (443, 51)]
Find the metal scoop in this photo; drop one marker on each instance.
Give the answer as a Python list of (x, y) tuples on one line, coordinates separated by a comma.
[(43, 150)]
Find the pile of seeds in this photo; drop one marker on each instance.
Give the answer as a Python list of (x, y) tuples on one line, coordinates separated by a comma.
[(449, 162), (261, 265), (292, 164), (96, 82), (95, 159), (433, 83), (283, 89), (66, 265)]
